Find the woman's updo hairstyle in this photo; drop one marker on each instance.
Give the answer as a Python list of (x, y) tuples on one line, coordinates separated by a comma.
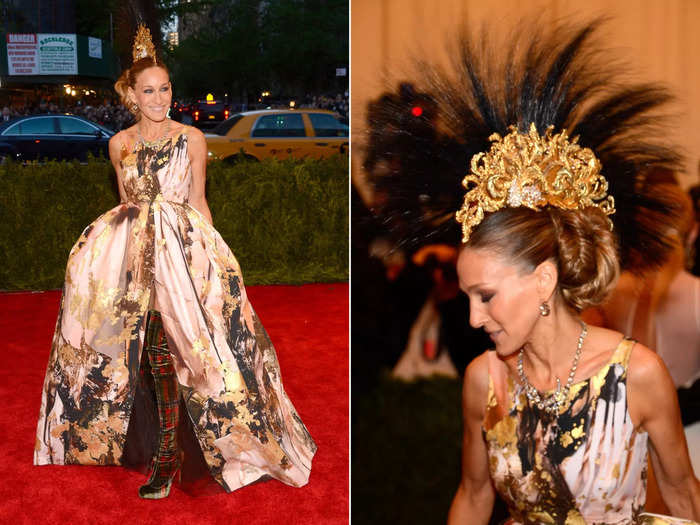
[(128, 80), (579, 242)]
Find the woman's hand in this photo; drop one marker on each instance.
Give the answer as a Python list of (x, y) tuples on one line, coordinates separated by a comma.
[(473, 502)]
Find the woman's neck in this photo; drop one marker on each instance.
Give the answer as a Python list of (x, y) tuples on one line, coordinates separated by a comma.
[(550, 352), (151, 130)]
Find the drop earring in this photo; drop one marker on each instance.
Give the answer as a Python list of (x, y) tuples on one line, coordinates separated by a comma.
[(544, 310)]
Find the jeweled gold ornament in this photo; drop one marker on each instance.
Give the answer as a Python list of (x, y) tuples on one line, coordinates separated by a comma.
[(534, 171), (143, 44)]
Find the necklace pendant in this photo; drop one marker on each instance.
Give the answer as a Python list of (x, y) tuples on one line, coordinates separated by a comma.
[(551, 403)]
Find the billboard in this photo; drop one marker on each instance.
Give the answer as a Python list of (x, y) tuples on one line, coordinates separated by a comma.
[(42, 54)]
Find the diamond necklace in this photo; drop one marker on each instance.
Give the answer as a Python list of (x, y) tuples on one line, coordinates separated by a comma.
[(157, 141), (552, 402)]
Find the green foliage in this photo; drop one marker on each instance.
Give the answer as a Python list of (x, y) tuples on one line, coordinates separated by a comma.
[(406, 452), (306, 41), (287, 222), (290, 47), (406, 443)]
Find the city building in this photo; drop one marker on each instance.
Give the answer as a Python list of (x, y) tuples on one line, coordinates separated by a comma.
[(173, 39), (42, 59)]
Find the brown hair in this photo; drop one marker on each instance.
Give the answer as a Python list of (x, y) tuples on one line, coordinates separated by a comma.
[(682, 211), (579, 242), (128, 80)]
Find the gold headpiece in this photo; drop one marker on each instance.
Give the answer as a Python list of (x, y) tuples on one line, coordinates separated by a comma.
[(143, 45), (534, 171)]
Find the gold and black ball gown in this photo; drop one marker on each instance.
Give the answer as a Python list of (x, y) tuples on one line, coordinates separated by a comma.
[(156, 251)]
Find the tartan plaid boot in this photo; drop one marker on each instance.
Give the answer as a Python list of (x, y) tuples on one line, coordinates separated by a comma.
[(167, 462)]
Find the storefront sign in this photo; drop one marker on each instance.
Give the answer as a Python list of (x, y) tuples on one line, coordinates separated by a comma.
[(42, 54), (58, 54), (22, 54), (94, 47)]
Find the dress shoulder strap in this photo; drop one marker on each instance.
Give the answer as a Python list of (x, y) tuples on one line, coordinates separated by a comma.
[(491, 412), (622, 352), (500, 385)]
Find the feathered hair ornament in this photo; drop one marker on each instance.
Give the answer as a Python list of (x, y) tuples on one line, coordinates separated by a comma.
[(541, 121), (143, 44)]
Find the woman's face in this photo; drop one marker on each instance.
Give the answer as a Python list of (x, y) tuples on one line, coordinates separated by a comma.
[(503, 298), (152, 92)]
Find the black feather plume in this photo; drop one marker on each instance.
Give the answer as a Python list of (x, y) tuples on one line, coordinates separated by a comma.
[(417, 158)]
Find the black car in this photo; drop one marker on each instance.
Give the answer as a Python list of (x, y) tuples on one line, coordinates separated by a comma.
[(208, 113), (60, 137)]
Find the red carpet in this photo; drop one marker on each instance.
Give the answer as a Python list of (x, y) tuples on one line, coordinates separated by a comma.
[(309, 328)]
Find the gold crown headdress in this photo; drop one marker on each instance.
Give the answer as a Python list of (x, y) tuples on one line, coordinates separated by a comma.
[(533, 171), (143, 44)]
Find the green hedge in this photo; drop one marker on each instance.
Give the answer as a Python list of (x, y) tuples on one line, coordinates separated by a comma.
[(286, 221), (406, 452)]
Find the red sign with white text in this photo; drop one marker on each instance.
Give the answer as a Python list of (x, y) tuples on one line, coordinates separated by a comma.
[(22, 54)]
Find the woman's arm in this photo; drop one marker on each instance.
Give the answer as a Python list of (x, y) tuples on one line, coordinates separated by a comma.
[(654, 405), (197, 151), (473, 502), (115, 149)]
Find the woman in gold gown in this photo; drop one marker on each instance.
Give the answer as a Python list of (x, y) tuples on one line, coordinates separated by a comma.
[(153, 272)]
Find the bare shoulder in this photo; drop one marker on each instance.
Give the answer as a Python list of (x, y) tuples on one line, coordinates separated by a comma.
[(599, 347), (646, 368), (194, 135), (117, 143), (123, 138), (117, 140), (477, 371), (603, 338), (476, 384), (651, 392)]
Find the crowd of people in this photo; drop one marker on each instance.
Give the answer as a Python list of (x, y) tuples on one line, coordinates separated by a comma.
[(112, 116), (339, 103), (117, 117)]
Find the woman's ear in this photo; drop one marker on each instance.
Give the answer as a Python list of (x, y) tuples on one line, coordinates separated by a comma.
[(130, 95), (546, 276)]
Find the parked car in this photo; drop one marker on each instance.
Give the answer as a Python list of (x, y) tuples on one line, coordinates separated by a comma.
[(59, 137), (180, 112), (208, 113), (280, 133)]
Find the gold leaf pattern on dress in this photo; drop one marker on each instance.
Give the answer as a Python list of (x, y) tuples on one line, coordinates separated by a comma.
[(246, 426), (558, 469)]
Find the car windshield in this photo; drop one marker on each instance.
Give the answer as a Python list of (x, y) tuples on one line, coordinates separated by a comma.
[(223, 128)]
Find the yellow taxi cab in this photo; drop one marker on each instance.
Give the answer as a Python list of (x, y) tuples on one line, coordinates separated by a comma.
[(280, 133)]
